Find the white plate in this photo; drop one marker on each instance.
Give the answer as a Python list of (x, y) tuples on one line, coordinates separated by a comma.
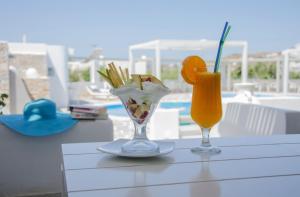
[(114, 148)]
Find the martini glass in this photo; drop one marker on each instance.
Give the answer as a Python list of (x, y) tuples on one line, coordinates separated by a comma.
[(140, 105)]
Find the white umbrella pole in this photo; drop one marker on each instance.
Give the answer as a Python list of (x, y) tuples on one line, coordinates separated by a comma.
[(130, 66), (245, 63), (285, 72), (157, 62)]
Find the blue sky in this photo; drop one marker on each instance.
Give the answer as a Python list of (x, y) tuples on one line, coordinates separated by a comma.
[(113, 25)]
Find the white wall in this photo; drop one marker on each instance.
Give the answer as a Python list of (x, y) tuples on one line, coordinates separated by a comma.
[(58, 75)]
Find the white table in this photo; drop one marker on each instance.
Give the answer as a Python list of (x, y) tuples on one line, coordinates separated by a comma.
[(247, 167)]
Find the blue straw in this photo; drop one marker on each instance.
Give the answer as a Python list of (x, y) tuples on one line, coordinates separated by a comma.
[(224, 39), (220, 47), (227, 31)]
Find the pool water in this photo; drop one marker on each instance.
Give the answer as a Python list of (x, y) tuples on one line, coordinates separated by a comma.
[(183, 106), (119, 110)]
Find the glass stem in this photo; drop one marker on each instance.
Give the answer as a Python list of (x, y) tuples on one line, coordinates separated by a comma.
[(205, 136), (140, 131)]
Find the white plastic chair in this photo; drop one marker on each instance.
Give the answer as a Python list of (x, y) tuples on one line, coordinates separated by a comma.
[(31, 166), (123, 127), (250, 119), (164, 124)]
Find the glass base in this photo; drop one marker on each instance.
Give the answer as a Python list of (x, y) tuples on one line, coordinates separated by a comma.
[(206, 149), (140, 146)]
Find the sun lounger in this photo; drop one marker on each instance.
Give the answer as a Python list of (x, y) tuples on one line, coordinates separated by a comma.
[(99, 93)]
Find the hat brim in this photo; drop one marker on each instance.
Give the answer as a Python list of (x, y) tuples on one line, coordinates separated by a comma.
[(39, 128)]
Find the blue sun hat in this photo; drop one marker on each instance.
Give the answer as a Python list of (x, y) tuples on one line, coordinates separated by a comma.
[(39, 118)]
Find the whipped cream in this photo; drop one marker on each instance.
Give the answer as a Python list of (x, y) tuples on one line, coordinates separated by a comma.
[(140, 103)]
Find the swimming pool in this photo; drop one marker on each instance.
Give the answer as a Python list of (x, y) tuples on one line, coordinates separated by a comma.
[(119, 109), (184, 106)]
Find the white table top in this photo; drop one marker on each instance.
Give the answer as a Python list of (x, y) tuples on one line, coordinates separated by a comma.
[(250, 166)]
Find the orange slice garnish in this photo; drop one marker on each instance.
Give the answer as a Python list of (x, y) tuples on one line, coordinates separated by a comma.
[(191, 66)]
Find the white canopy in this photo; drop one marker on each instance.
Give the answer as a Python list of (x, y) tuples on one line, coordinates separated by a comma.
[(187, 45)]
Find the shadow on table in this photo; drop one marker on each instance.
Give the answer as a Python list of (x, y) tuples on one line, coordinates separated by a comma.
[(115, 161), (208, 188), (154, 165)]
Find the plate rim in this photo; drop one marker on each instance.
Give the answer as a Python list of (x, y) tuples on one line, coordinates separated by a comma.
[(120, 154)]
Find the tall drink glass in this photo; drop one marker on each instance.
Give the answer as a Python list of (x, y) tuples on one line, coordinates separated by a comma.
[(206, 108)]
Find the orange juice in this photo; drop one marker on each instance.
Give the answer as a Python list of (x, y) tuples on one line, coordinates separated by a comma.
[(206, 108)]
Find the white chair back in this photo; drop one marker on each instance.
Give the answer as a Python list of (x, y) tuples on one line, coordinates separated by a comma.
[(164, 124), (250, 119), (265, 120)]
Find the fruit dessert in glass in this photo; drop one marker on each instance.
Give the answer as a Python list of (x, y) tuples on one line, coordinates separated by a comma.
[(140, 94)]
